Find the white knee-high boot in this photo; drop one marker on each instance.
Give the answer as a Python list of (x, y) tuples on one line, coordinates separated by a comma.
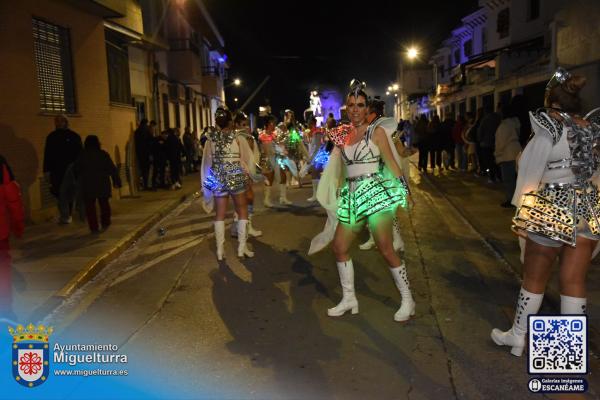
[(349, 302), (528, 303), (251, 231), (407, 308), (572, 305), (283, 195), (233, 230), (220, 238), (267, 201), (242, 237), (315, 185)]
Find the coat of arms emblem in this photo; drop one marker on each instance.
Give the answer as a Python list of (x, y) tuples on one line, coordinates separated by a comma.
[(30, 354)]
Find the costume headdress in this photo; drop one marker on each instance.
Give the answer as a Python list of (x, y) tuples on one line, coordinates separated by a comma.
[(560, 76), (356, 86)]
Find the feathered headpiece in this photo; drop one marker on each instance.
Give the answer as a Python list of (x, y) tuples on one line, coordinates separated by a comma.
[(560, 76)]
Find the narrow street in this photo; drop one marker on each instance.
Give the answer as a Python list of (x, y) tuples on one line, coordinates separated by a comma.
[(257, 328)]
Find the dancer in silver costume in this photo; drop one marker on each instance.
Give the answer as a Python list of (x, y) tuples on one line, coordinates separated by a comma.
[(558, 205), (241, 126), (227, 162)]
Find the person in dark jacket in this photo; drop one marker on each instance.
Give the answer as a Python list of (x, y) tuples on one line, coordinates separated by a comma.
[(486, 135), (143, 147), (446, 129), (12, 219), (159, 160), (174, 153), (61, 149), (422, 141), (188, 145), (436, 143), (94, 169)]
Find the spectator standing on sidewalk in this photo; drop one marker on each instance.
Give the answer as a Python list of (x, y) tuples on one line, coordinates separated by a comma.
[(61, 149), (159, 160), (436, 143), (469, 137), (12, 219), (486, 135), (188, 146), (143, 149), (174, 153), (507, 147), (480, 171), (446, 128), (95, 168), (459, 143), (422, 141)]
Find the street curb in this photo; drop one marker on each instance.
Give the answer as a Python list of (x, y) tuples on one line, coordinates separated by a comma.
[(95, 266), (551, 295)]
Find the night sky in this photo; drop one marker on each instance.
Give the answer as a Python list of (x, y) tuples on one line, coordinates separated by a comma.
[(324, 44)]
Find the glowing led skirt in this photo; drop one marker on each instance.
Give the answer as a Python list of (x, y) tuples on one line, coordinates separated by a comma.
[(226, 178), (556, 212), (321, 158), (368, 195)]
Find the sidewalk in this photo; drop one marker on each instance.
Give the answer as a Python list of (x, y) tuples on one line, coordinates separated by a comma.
[(479, 203), (52, 261)]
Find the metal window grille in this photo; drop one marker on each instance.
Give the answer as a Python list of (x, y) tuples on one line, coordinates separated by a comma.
[(52, 51)]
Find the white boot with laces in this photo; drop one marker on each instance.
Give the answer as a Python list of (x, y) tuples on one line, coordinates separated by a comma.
[(528, 304), (407, 308)]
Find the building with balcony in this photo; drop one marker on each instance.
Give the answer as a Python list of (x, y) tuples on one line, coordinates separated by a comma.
[(510, 47), (189, 76)]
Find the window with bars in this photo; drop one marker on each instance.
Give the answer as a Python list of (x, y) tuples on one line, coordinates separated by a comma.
[(52, 51)]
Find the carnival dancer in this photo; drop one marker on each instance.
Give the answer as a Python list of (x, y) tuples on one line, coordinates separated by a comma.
[(558, 204), (294, 146), (376, 111), (319, 155), (374, 187), (241, 126), (274, 161), (227, 162)]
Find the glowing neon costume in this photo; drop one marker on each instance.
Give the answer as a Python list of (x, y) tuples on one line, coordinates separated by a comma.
[(367, 186)]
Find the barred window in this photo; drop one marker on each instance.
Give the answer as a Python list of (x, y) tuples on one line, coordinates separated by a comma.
[(52, 51)]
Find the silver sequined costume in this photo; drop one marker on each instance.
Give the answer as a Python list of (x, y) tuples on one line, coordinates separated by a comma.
[(557, 188), (226, 175)]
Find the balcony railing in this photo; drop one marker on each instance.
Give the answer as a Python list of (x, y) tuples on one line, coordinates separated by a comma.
[(184, 44)]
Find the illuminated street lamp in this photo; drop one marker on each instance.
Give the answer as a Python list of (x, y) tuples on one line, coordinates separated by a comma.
[(387, 93), (389, 88), (235, 99), (395, 87), (412, 53), (237, 82)]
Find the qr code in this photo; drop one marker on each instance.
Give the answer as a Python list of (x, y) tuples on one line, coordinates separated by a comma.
[(558, 344)]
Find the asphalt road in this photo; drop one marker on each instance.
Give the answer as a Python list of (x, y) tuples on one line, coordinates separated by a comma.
[(257, 328)]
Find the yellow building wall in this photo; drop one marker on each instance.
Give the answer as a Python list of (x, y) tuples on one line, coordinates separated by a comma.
[(23, 126)]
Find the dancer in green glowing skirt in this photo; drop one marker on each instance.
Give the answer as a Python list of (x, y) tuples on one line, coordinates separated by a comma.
[(363, 183)]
